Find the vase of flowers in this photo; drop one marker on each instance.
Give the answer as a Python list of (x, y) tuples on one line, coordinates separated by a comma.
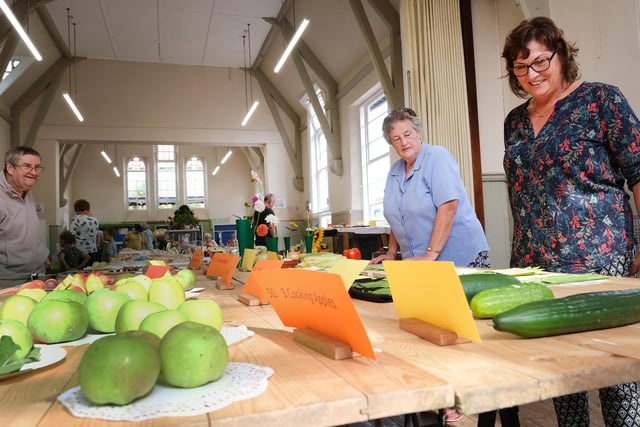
[(244, 234), (246, 226), (308, 233)]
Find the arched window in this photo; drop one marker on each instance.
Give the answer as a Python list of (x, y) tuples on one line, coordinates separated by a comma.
[(136, 184), (194, 180), (167, 177)]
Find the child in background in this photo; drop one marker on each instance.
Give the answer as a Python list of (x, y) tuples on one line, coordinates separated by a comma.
[(232, 240), (71, 257), (110, 249)]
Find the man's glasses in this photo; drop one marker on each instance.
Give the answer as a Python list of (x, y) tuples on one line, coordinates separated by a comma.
[(538, 66), (30, 168)]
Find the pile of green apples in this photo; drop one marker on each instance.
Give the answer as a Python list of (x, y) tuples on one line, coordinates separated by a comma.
[(152, 322)]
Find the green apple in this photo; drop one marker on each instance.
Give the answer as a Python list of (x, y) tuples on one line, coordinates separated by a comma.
[(20, 335), (17, 307), (143, 280), (93, 283), (133, 288), (70, 294), (102, 306), (122, 276), (133, 312), (118, 369), (34, 293), (167, 292), (192, 354), (204, 311), (159, 323), (54, 321), (188, 276)]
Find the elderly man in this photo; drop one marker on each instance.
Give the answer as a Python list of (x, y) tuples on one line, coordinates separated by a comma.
[(22, 251)]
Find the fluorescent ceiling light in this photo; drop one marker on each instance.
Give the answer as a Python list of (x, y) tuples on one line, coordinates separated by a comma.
[(25, 38), (106, 156), (292, 44), (215, 171), (250, 112), (72, 105), (115, 170), (226, 157)]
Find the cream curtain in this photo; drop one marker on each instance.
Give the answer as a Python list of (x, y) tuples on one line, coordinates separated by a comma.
[(437, 91)]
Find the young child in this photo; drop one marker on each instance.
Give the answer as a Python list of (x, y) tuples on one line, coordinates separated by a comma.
[(110, 249), (71, 258)]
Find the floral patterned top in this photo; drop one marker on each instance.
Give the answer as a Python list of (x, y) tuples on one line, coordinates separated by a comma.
[(566, 185)]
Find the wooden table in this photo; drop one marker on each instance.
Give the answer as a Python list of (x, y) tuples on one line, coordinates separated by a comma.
[(409, 375), (306, 388)]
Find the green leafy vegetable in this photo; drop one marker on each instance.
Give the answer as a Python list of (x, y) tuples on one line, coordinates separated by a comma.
[(7, 349)]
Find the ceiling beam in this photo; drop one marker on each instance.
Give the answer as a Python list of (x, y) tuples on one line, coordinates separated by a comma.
[(274, 99), (66, 173), (392, 85)]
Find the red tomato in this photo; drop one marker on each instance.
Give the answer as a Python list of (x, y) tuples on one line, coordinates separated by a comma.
[(353, 253)]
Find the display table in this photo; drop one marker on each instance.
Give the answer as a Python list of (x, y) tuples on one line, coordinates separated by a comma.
[(409, 375), (348, 237)]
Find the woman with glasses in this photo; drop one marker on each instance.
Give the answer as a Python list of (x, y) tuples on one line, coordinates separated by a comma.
[(569, 149)]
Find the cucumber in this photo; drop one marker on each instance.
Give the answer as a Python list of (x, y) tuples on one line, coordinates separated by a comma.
[(476, 282), (576, 313), (490, 302)]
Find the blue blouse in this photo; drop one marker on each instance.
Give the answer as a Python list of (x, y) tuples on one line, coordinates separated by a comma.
[(566, 185), (410, 207)]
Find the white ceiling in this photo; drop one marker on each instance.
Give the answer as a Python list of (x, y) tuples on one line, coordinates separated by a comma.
[(190, 32)]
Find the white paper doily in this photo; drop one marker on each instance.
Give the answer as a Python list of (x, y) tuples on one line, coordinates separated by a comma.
[(240, 381), (231, 334)]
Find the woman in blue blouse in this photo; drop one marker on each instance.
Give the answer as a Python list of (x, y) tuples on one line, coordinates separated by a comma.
[(569, 149), (425, 201)]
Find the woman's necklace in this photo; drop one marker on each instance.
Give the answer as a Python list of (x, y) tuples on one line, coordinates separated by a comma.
[(534, 105)]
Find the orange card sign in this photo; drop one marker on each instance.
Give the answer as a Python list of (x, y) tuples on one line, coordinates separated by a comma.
[(251, 286), (315, 300), (223, 265), (196, 259)]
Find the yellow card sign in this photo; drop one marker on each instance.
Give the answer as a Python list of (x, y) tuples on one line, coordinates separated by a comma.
[(431, 291), (251, 286), (349, 270), (248, 258), (223, 265), (315, 300)]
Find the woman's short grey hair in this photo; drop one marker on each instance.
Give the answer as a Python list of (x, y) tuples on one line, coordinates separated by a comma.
[(397, 116), (268, 197)]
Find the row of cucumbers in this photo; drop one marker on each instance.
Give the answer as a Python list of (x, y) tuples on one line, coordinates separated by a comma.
[(530, 310)]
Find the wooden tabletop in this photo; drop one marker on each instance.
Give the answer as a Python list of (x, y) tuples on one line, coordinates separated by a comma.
[(409, 375), (306, 389)]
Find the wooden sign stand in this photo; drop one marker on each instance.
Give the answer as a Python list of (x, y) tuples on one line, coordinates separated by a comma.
[(247, 299), (330, 347), (431, 332)]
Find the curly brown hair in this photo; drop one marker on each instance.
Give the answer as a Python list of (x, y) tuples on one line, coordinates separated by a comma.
[(544, 31)]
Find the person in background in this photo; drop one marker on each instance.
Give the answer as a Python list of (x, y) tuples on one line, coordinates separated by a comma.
[(161, 239), (208, 242), (569, 148), (23, 252), (71, 257), (148, 236), (134, 239), (426, 204), (260, 218), (110, 250), (232, 241), (84, 227)]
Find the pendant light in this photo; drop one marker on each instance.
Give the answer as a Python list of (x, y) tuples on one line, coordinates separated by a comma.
[(115, 154), (105, 154), (251, 110), (294, 40), (72, 66), (226, 157), (16, 25)]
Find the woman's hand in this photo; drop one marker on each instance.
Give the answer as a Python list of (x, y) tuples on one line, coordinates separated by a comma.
[(380, 258)]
